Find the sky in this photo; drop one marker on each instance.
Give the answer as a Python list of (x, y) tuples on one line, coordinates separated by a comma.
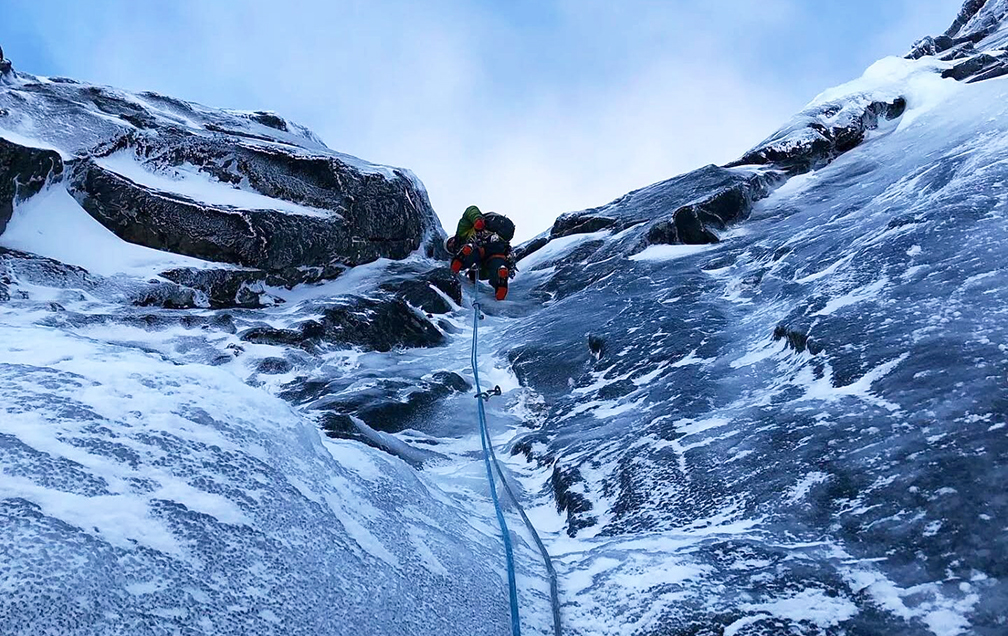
[(531, 108)]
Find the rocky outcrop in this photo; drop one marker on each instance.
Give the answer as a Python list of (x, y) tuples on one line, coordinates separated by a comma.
[(169, 296), (6, 69), (979, 68), (564, 481), (247, 288), (226, 288), (978, 20), (24, 172), (375, 324), (428, 291), (260, 238), (821, 134), (690, 208), (975, 36), (969, 10), (330, 208), (16, 266), (390, 406)]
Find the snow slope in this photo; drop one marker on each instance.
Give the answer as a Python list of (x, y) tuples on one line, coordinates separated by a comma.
[(803, 425), (54, 225), (145, 493)]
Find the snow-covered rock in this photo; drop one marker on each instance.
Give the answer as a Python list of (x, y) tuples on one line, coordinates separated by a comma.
[(247, 188), (24, 171)]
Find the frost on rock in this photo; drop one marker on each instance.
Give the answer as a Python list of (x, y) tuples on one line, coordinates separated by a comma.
[(137, 498), (801, 427)]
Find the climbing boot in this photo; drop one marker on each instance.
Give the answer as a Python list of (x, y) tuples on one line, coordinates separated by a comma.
[(502, 282)]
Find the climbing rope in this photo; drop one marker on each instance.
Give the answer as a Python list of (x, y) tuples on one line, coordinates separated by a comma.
[(490, 458)]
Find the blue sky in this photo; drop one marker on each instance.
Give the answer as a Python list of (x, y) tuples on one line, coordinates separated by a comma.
[(532, 108)]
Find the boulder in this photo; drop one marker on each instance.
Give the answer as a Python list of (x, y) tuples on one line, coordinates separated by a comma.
[(169, 296), (274, 366), (581, 223), (922, 48), (226, 288)]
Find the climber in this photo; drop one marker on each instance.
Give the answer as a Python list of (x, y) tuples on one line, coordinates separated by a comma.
[(484, 240)]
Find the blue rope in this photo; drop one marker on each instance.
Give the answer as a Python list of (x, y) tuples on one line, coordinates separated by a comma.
[(551, 571), (487, 452)]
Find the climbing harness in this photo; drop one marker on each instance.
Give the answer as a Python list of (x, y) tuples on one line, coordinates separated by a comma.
[(490, 458)]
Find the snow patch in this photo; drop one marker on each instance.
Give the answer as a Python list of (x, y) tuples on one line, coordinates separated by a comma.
[(54, 225), (662, 253)]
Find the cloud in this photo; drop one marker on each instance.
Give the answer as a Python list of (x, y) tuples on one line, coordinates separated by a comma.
[(528, 108)]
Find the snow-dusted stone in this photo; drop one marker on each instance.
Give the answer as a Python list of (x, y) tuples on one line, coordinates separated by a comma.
[(821, 134), (253, 237), (432, 291), (377, 324), (246, 188), (969, 10), (23, 172)]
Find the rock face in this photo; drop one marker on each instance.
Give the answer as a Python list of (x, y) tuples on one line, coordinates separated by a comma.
[(792, 380), (351, 217), (371, 323), (23, 173), (432, 292), (821, 134), (755, 409), (977, 36), (249, 189)]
